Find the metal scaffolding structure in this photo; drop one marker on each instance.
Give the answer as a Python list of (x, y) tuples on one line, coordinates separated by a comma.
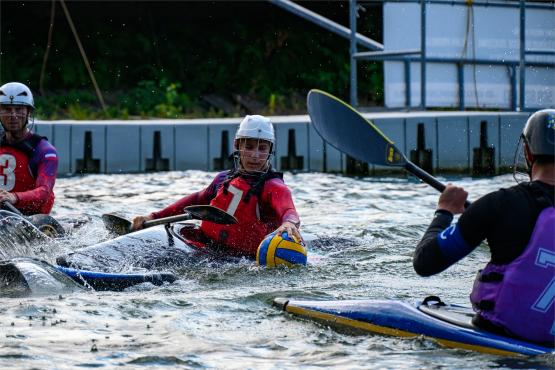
[(408, 56), (377, 52)]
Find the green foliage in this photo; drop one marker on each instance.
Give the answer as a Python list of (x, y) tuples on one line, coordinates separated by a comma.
[(148, 99), (172, 106), (162, 59), (272, 104)]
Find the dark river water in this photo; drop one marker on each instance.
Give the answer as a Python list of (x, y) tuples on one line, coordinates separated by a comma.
[(219, 315)]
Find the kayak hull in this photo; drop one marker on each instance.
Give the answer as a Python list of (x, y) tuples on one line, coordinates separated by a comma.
[(448, 325), (158, 247), (115, 264), (25, 276)]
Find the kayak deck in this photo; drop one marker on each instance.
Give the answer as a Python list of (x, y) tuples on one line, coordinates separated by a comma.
[(148, 249), (448, 325)]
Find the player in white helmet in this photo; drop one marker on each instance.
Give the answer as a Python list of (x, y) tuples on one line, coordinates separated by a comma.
[(254, 145), (28, 162), (252, 192)]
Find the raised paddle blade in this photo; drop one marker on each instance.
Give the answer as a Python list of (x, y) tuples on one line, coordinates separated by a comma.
[(347, 130), (211, 213), (116, 224)]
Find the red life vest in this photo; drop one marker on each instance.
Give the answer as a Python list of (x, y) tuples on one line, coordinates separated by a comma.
[(244, 236), (15, 174)]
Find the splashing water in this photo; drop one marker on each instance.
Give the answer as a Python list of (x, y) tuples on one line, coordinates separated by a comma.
[(219, 314)]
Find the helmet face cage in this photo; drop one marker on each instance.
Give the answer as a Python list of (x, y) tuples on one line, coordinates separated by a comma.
[(17, 114), (253, 153), (29, 117)]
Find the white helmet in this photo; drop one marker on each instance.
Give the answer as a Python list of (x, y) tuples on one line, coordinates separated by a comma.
[(16, 93), (256, 127)]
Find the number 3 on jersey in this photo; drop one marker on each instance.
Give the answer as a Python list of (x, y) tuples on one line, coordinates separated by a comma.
[(7, 175)]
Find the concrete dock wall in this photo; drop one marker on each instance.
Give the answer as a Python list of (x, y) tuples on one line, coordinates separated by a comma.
[(439, 141)]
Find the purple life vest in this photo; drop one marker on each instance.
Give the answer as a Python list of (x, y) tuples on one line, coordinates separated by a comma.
[(520, 296)]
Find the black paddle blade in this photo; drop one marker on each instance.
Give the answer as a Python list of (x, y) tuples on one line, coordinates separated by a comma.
[(344, 128), (116, 224), (211, 213), (348, 131)]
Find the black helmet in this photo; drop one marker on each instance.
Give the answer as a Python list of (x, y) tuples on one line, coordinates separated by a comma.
[(539, 133)]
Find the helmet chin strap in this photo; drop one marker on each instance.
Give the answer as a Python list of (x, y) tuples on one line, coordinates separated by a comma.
[(529, 162), (522, 167), (529, 168)]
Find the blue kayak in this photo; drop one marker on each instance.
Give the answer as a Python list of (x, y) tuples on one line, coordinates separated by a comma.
[(115, 264), (449, 325), (24, 276), (108, 281)]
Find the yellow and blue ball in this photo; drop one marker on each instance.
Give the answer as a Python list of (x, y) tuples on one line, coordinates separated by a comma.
[(276, 250)]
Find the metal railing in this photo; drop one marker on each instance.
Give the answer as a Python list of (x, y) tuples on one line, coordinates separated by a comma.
[(377, 52), (407, 56)]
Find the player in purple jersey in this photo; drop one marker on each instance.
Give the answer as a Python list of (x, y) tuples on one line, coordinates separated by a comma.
[(514, 294)]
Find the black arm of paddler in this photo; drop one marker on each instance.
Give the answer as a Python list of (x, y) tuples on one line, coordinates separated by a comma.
[(428, 259)]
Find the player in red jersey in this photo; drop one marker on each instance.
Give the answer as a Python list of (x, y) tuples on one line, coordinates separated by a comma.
[(28, 162), (252, 192)]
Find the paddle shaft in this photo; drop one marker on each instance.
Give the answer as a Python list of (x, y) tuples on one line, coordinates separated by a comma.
[(167, 220), (424, 176), (427, 178)]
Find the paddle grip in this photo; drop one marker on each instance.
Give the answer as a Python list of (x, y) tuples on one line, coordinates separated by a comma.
[(428, 179), (10, 207)]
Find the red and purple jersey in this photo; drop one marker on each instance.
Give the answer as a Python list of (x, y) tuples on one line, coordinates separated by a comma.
[(28, 170), (257, 215)]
